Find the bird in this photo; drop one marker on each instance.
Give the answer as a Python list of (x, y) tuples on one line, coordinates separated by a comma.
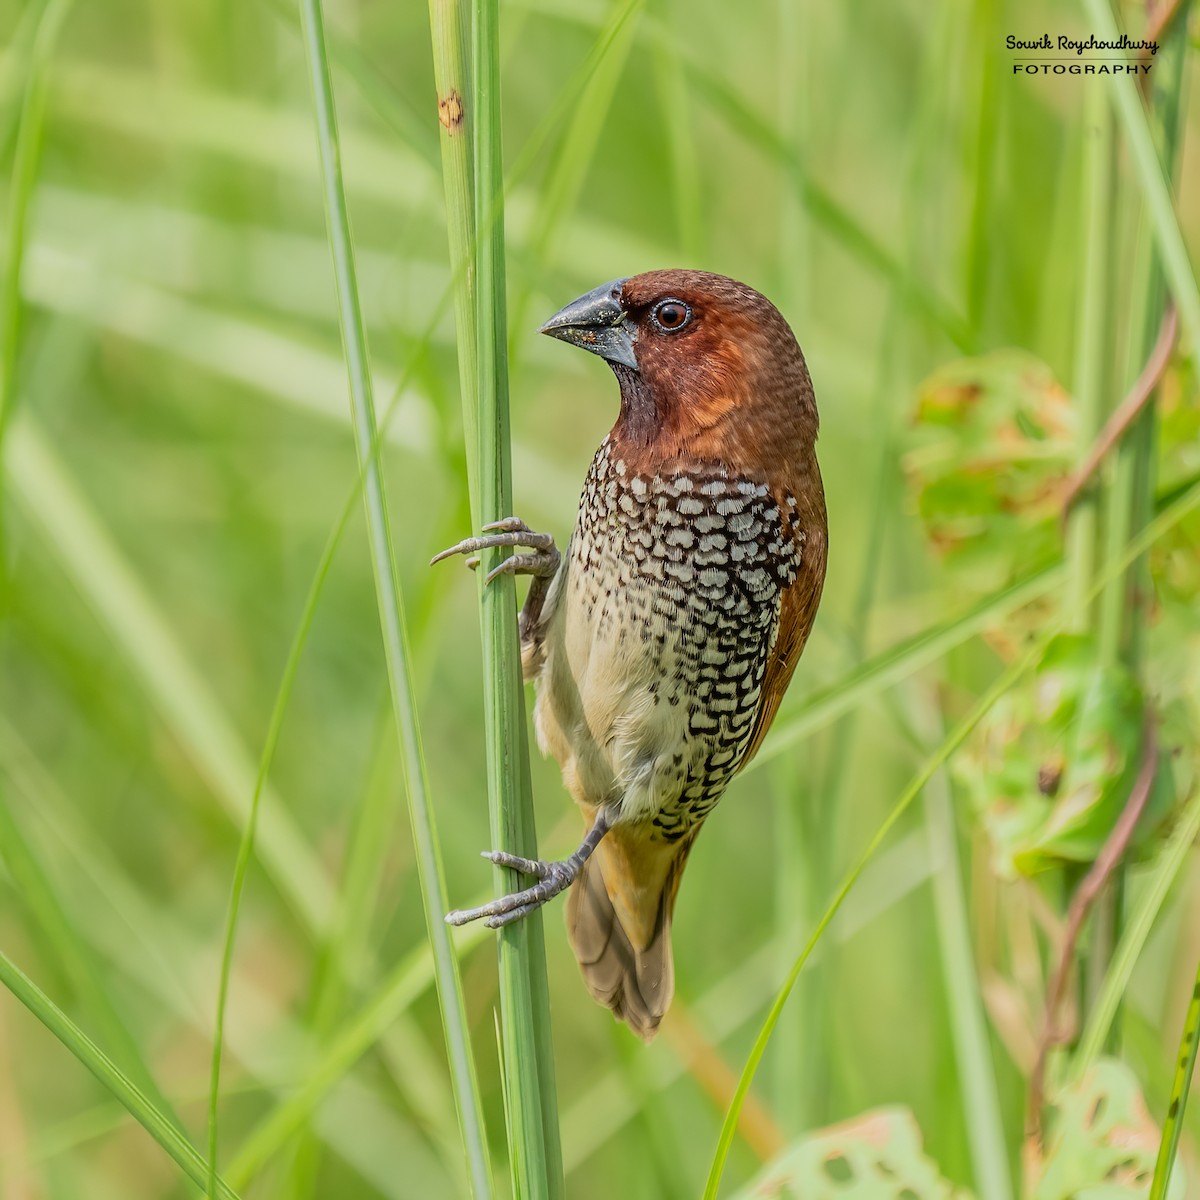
[(662, 640)]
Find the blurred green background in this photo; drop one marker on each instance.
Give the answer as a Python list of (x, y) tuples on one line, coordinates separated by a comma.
[(180, 451)]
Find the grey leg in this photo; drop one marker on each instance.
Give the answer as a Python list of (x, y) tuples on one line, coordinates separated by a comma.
[(555, 877)]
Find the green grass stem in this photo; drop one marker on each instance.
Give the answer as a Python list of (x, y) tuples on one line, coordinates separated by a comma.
[(1181, 1086), (528, 1051), (27, 155), (391, 610), (122, 602), (932, 764), (467, 75), (60, 940), (357, 879), (1153, 182), (109, 1075), (152, 952), (346, 1045), (1091, 336), (560, 193), (1129, 495), (968, 1024), (1140, 923), (245, 852)]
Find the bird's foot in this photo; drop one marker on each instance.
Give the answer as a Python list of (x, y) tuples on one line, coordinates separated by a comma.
[(554, 877), (540, 560)]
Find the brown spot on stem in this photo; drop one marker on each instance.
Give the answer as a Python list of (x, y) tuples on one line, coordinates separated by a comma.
[(450, 111), (1049, 777)]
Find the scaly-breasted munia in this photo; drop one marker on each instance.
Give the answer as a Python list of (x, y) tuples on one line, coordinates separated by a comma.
[(663, 640)]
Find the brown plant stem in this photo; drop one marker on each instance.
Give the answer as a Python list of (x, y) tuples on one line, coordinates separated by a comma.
[(1127, 411), (1089, 890), (1159, 20)]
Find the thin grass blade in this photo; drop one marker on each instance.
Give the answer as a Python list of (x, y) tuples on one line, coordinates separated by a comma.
[(246, 844), (1180, 1089), (407, 981), (932, 764), (52, 499), (1156, 190), (972, 1049), (60, 937), (132, 1098), (391, 608), (26, 159), (1137, 930)]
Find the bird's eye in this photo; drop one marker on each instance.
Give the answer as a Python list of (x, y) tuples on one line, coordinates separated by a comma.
[(671, 315)]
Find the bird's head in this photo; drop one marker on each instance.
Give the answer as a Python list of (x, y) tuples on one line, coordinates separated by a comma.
[(708, 367)]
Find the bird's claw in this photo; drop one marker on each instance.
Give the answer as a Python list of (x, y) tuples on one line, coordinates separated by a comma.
[(527, 866), (542, 561), (554, 877)]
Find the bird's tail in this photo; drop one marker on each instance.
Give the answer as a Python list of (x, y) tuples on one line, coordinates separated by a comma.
[(619, 922)]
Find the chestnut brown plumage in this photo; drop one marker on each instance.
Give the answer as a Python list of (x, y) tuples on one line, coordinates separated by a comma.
[(663, 640)]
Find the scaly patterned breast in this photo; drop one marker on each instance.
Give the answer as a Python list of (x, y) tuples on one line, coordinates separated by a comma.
[(673, 595)]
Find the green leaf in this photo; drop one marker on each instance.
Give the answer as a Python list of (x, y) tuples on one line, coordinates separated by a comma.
[(1049, 770), (1100, 1141), (993, 441), (874, 1156)]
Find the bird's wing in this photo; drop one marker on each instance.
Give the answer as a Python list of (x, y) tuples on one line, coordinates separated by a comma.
[(797, 611)]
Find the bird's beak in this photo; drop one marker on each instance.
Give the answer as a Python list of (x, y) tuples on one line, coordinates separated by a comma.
[(596, 322)]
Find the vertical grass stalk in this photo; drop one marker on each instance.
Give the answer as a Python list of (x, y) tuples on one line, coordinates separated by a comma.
[(1167, 117), (246, 843), (1129, 495), (1180, 1089), (27, 155), (804, 828), (1152, 895), (525, 1003), (1091, 340), (964, 1003), (391, 609), (1148, 169), (1093, 371)]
